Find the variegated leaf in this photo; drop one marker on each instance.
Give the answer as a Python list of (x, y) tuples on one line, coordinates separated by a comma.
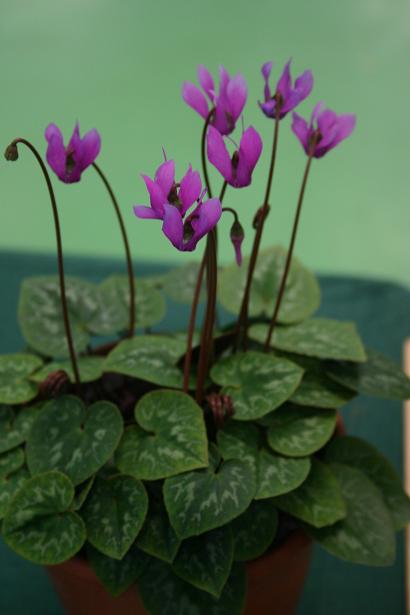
[(257, 382), (38, 524), (15, 370), (11, 461), (77, 441), (117, 575), (9, 485), (316, 337), (366, 534), (15, 425), (114, 513), (254, 530), (320, 391), (169, 437), (179, 284), (157, 537), (90, 369)]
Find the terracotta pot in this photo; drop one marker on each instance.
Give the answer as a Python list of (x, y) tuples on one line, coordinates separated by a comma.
[(275, 583)]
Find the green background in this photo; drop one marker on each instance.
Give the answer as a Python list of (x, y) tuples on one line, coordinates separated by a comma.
[(118, 65)]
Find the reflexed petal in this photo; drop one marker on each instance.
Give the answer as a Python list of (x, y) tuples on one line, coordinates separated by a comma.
[(218, 154), (237, 93), (342, 128), (268, 107), (165, 176), (223, 80), (157, 196), (304, 84), (251, 146), (301, 130), (141, 211), (206, 81), (317, 109), (266, 70), (195, 99), (75, 140), (203, 219), (89, 148), (173, 226), (56, 156), (284, 84), (190, 189)]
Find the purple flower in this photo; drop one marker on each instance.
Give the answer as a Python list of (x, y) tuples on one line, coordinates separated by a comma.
[(171, 201), (228, 103), (286, 96), (69, 162), (325, 130), (236, 170)]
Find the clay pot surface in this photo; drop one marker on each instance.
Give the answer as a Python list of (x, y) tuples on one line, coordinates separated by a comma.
[(275, 582)]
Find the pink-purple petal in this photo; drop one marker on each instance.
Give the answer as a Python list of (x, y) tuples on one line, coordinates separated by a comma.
[(165, 176), (142, 211), (301, 130), (218, 154), (173, 226), (284, 84), (157, 196), (206, 81), (195, 99), (90, 148), (56, 155), (203, 219), (237, 93), (190, 189)]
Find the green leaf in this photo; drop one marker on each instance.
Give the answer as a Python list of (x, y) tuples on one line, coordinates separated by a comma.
[(149, 357), (179, 284), (11, 461), (38, 524), (298, 431), (15, 425), (361, 455), (117, 575), (169, 438), (157, 537), (254, 530), (274, 475), (164, 593), (316, 337), (15, 369), (90, 369), (205, 561), (302, 294), (366, 535), (318, 501), (77, 441), (9, 485), (82, 492), (256, 382), (41, 318), (379, 376), (114, 513), (278, 475), (200, 501), (149, 303), (319, 391)]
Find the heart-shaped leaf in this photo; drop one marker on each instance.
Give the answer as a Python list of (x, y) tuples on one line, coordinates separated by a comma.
[(317, 337), (318, 501), (11, 461), (90, 368), (38, 524), (164, 593), (200, 501), (15, 370), (298, 431), (77, 441), (319, 391), (82, 492), (117, 575), (366, 535), (9, 485), (169, 437), (379, 376), (149, 303), (114, 513), (179, 284), (157, 537), (205, 561), (256, 382), (149, 357), (254, 530), (15, 425), (302, 294), (361, 455), (240, 441)]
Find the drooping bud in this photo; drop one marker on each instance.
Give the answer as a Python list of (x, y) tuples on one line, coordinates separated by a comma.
[(260, 216), (237, 236), (11, 152)]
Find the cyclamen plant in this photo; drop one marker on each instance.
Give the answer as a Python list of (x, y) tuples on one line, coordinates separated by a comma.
[(171, 461)]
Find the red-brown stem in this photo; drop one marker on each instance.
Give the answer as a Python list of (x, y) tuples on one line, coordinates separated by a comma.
[(289, 255), (243, 313), (192, 320), (131, 280), (60, 260), (203, 152)]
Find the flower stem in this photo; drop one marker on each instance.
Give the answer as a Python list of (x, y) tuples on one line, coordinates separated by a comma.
[(207, 329), (289, 255), (232, 211), (243, 314), (131, 280), (203, 152), (192, 320), (59, 254)]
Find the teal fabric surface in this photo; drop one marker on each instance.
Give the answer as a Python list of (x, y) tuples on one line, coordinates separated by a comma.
[(382, 312)]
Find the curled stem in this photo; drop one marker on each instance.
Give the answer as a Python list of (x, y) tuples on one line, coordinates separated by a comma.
[(289, 254), (130, 272), (12, 154), (203, 152)]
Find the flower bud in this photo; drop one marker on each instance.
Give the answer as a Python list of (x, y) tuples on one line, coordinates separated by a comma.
[(237, 236), (11, 152)]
